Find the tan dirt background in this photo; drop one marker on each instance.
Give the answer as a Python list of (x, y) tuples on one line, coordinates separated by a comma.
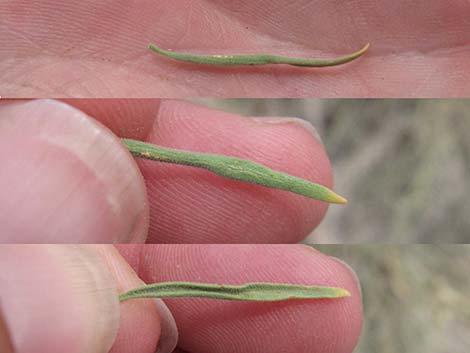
[(416, 297)]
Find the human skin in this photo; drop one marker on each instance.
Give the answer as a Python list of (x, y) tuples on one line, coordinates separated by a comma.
[(68, 178), (99, 49), (74, 290)]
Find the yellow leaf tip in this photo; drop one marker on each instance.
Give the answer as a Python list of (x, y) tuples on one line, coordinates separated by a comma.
[(342, 200), (335, 198), (342, 293)]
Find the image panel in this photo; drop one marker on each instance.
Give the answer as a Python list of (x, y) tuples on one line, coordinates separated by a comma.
[(234, 298), (234, 171), (226, 49)]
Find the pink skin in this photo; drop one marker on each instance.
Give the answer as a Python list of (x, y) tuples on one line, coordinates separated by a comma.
[(66, 178), (184, 205), (327, 326), (54, 48)]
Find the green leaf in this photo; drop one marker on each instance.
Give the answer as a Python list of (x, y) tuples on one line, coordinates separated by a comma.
[(234, 168), (247, 292)]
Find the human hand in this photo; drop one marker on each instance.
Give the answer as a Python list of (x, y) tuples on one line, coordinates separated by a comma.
[(69, 178), (99, 49), (63, 298)]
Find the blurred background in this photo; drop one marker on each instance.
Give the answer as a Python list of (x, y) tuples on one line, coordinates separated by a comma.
[(416, 297), (404, 165)]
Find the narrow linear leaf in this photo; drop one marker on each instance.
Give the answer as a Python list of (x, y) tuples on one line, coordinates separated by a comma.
[(257, 59), (234, 168), (247, 292)]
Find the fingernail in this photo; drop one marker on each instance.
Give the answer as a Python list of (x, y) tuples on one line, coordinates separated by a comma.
[(70, 178), (169, 332), (351, 270), (304, 124)]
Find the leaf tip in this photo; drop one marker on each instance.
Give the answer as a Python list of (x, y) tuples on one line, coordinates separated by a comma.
[(342, 293), (338, 199)]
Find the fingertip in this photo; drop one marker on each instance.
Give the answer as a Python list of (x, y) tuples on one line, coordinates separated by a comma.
[(353, 277), (348, 312)]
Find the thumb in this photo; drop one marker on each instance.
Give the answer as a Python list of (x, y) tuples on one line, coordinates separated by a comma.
[(57, 299), (65, 178)]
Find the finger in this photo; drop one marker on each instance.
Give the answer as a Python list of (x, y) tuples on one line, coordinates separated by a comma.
[(207, 325), (168, 333), (66, 178), (57, 299), (64, 49), (195, 206), (145, 326)]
